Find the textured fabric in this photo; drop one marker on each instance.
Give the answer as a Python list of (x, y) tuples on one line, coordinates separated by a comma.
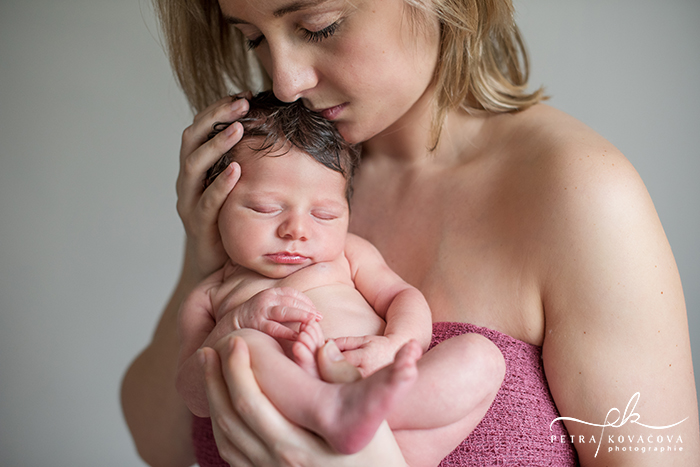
[(515, 430), (204, 444)]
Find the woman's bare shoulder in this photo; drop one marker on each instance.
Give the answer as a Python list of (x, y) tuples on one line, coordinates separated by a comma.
[(548, 133), (576, 186), (563, 155)]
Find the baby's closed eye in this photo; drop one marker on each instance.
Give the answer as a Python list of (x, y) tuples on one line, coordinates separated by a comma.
[(265, 208), (325, 215)]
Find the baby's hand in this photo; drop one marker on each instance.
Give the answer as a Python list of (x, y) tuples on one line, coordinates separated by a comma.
[(368, 353), (268, 310)]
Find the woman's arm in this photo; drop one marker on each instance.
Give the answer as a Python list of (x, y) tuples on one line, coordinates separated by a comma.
[(615, 316), (158, 420)]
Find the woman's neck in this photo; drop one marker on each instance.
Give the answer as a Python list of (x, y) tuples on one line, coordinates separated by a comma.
[(411, 138)]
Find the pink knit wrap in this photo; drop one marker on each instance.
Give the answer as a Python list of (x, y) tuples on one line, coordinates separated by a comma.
[(515, 430)]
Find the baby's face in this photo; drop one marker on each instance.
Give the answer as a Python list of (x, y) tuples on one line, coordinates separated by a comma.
[(285, 213)]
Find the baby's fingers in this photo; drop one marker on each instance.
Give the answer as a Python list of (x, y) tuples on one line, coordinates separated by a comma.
[(293, 311), (291, 292), (355, 357), (278, 331), (350, 343)]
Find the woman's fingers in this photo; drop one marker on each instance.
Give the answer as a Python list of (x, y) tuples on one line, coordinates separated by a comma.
[(214, 196), (193, 169), (262, 436), (223, 110), (198, 207), (229, 431), (198, 153), (254, 408)]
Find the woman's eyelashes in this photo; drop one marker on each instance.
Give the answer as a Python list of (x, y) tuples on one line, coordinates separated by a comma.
[(325, 33), (310, 36), (254, 43)]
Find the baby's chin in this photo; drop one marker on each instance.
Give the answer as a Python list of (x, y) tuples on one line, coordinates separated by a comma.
[(281, 271)]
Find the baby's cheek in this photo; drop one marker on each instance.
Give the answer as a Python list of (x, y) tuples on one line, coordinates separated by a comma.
[(335, 245), (235, 241)]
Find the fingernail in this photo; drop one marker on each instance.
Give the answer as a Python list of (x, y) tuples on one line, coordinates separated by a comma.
[(228, 171), (232, 342), (231, 129), (202, 357), (239, 105), (333, 352)]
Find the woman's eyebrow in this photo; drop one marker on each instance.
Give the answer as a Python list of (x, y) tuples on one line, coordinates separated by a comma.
[(296, 6)]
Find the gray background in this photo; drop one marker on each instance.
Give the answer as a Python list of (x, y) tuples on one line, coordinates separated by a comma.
[(90, 123)]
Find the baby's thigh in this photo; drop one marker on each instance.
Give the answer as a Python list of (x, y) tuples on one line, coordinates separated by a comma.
[(263, 346), (471, 361)]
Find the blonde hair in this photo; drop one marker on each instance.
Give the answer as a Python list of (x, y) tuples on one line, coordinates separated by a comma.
[(483, 63)]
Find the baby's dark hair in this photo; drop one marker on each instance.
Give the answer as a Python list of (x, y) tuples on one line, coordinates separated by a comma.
[(279, 124)]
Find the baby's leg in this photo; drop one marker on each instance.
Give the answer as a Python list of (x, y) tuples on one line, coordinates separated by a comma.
[(457, 382), (346, 415)]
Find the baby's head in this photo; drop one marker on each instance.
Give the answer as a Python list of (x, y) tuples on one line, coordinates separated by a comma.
[(276, 127), (290, 208)]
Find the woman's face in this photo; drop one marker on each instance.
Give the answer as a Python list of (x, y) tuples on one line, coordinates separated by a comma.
[(362, 63)]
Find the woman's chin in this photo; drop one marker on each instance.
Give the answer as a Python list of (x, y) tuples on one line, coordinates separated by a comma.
[(354, 134)]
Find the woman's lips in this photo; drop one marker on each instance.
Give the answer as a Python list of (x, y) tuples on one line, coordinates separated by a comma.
[(331, 113), (287, 258)]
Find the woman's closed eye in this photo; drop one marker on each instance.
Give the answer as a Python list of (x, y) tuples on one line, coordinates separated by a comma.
[(254, 43), (325, 33), (310, 36)]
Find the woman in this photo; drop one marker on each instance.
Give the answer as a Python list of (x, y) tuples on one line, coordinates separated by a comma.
[(504, 212)]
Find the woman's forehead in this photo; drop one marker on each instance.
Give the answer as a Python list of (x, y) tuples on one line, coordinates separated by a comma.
[(275, 8)]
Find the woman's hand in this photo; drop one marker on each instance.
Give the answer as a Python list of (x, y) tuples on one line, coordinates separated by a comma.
[(250, 431), (199, 208)]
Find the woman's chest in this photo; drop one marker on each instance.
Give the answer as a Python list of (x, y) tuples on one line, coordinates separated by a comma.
[(464, 245)]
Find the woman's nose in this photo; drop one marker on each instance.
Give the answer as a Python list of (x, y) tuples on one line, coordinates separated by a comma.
[(294, 227), (292, 72)]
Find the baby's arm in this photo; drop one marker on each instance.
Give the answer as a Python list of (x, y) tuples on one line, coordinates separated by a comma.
[(199, 326), (195, 324), (401, 305)]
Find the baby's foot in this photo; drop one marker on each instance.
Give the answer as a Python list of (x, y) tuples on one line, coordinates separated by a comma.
[(309, 340), (363, 405)]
